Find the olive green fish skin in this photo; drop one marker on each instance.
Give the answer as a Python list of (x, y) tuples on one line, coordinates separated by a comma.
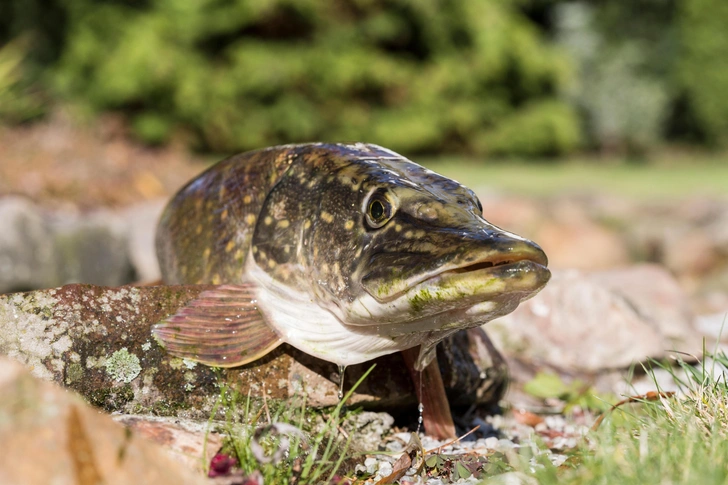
[(205, 231), (304, 214)]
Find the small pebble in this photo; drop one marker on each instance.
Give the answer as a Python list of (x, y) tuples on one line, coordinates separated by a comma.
[(385, 469), (395, 446), (370, 465), (558, 459), (505, 445), (491, 443), (555, 422)]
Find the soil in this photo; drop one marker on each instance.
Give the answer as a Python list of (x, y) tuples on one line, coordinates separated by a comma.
[(58, 162)]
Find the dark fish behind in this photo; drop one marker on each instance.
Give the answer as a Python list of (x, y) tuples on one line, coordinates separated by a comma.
[(346, 252)]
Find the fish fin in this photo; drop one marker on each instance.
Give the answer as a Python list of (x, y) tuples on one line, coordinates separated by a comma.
[(222, 327)]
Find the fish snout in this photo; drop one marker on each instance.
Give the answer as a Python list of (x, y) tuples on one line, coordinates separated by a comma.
[(499, 246)]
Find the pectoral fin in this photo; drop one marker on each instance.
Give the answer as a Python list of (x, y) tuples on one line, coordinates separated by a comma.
[(222, 327)]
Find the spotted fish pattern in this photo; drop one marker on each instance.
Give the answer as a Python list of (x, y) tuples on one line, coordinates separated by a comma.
[(346, 251)]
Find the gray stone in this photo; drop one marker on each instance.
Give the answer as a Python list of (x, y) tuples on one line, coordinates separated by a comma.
[(92, 249), (27, 253), (41, 249), (368, 428), (141, 220), (588, 322), (51, 436), (657, 298), (189, 442)]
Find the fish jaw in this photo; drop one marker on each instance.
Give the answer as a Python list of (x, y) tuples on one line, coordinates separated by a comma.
[(487, 276), (452, 300)]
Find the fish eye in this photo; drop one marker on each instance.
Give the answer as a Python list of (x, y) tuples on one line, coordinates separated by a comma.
[(379, 211)]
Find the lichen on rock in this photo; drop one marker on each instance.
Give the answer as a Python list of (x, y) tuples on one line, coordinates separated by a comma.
[(123, 366), (29, 333)]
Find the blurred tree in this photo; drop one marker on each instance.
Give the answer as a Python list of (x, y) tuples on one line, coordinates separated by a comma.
[(425, 75), (507, 77), (18, 101), (702, 68), (623, 52)]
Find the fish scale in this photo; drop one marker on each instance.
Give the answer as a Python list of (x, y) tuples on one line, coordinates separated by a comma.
[(345, 251)]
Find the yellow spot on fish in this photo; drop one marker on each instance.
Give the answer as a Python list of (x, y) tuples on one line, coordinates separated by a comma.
[(398, 228), (224, 215), (250, 219), (206, 253), (408, 234), (216, 279), (238, 254), (230, 246), (268, 220), (198, 229), (247, 199), (315, 251), (349, 225), (271, 263), (307, 224), (287, 249), (284, 223), (255, 249), (325, 268), (327, 217), (420, 233)]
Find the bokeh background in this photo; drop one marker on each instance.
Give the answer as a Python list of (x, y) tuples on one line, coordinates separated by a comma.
[(597, 128), (531, 78)]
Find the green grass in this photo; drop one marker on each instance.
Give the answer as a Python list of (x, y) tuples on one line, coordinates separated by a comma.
[(674, 177), (673, 440), (284, 441)]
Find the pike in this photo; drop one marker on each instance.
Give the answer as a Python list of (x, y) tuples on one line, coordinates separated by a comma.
[(344, 251)]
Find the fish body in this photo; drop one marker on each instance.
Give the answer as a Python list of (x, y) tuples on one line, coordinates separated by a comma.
[(346, 252)]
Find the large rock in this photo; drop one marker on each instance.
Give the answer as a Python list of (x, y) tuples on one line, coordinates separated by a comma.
[(587, 322), (97, 341), (565, 228), (51, 436), (45, 249), (91, 249), (191, 443), (27, 253), (142, 222), (572, 239)]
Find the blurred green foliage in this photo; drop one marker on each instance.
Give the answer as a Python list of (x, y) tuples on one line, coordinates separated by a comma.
[(413, 75), (622, 52), (702, 70), (502, 77), (17, 102)]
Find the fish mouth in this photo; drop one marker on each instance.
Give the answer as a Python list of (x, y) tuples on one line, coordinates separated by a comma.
[(456, 297), (518, 270), (490, 278), (494, 261)]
